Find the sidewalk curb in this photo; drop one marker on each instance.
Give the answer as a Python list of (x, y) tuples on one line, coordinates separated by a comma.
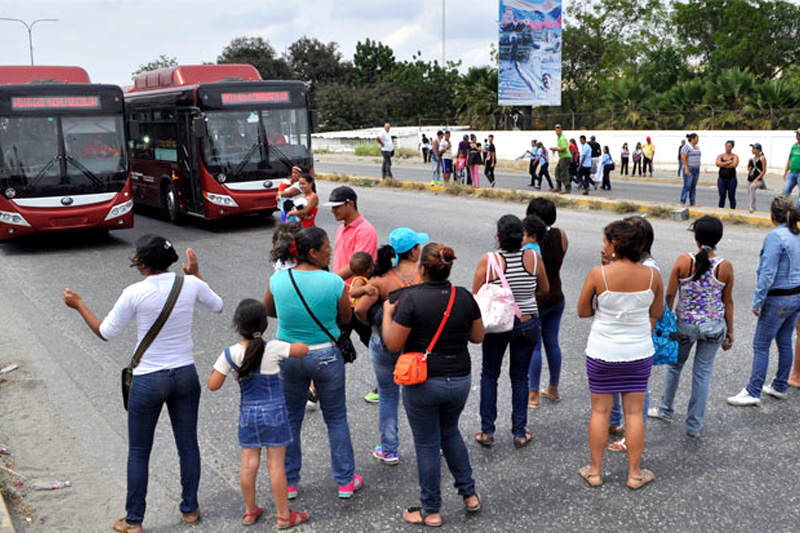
[(618, 205), (6, 526)]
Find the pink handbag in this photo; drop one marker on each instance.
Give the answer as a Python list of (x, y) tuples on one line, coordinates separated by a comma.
[(497, 304)]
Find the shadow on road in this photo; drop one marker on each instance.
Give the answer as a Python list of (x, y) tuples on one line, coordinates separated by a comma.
[(43, 243)]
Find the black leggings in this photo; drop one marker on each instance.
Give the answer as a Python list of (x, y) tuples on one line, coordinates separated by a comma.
[(489, 173), (544, 171), (532, 171), (636, 164), (623, 169)]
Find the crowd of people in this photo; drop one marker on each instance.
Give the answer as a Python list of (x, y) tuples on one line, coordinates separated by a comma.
[(587, 165), (398, 298)]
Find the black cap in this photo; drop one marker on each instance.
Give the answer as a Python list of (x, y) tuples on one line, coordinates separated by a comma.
[(340, 196), (757, 146), (154, 251)]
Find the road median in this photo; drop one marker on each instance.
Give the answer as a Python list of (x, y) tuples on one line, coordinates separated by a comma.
[(617, 205)]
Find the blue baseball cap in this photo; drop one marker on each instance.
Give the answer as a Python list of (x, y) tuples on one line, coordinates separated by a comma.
[(404, 239)]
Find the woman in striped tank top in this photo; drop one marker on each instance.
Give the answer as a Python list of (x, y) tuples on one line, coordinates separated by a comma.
[(524, 272)]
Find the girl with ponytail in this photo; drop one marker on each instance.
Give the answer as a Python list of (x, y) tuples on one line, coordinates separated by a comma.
[(263, 421), (776, 303), (703, 284)]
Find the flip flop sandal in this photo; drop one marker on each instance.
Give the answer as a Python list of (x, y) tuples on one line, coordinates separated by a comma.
[(295, 518), (475, 508), (248, 519), (521, 442), (122, 526), (618, 446), (484, 439), (584, 473), (646, 477), (552, 398), (422, 514)]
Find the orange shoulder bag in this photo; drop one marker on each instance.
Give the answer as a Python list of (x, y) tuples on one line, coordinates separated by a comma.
[(412, 368)]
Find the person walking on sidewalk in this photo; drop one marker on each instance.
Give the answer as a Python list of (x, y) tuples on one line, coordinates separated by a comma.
[(690, 156), (776, 303), (791, 174), (756, 170), (563, 180), (649, 152), (387, 150), (165, 373), (544, 166), (703, 284), (726, 182), (608, 166), (585, 165), (533, 157)]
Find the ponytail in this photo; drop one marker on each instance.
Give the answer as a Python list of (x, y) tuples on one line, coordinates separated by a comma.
[(784, 211), (707, 233), (250, 320), (386, 256)]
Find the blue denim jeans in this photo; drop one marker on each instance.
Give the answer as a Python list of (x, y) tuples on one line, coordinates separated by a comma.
[(616, 411), (383, 363), (777, 320), (520, 341), (179, 388), (727, 188), (433, 410), (326, 368), (690, 335), (792, 179), (690, 185), (550, 320), (436, 165)]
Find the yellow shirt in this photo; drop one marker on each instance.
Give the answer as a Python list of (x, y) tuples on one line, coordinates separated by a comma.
[(649, 149)]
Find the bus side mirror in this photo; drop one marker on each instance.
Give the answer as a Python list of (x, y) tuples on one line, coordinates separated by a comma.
[(199, 127)]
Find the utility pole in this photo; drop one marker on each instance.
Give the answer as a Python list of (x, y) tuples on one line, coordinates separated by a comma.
[(444, 18), (29, 27)]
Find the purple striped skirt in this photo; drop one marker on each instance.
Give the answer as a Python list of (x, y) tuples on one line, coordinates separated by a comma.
[(627, 376)]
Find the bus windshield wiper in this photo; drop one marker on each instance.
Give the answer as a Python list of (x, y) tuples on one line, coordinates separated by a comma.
[(282, 157), (88, 173), (44, 170), (246, 158)]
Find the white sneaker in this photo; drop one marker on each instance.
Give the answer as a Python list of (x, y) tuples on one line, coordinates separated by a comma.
[(653, 412), (744, 399), (767, 389)]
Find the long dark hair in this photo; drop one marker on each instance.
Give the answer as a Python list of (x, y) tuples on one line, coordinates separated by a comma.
[(707, 232), (625, 237), (437, 260), (784, 211), (546, 210), (386, 257), (250, 320)]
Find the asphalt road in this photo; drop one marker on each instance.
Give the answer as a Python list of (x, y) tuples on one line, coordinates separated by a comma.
[(707, 194), (740, 476)]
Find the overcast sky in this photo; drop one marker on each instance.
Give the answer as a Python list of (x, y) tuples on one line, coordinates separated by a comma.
[(111, 38)]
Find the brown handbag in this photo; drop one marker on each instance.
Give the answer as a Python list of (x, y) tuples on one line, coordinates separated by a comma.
[(411, 368), (150, 336)]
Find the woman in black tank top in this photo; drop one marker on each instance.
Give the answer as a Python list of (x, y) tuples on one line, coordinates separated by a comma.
[(726, 183)]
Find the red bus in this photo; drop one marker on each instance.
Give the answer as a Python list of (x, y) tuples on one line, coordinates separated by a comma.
[(63, 159), (215, 140)]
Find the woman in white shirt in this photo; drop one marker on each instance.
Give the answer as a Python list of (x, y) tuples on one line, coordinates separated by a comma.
[(166, 373), (625, 298)]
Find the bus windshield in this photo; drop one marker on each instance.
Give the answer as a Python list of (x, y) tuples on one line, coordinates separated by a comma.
[(239, 141), (61, 154)]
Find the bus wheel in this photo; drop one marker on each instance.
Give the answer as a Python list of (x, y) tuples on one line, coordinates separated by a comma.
[(170, 204)]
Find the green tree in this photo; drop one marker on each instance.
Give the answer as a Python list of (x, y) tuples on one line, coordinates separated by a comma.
[(314, 61), (476, 92), (161, 61), (259, 53), (372, 61)]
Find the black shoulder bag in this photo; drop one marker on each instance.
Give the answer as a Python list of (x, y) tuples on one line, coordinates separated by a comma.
[(344, 343), (150, 336)]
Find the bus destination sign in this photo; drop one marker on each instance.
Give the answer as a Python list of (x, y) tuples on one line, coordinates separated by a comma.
[(30, 103), (261, 97)]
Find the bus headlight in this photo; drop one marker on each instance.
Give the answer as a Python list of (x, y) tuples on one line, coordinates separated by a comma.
[(120, 210), (220, 199), (16, 219)]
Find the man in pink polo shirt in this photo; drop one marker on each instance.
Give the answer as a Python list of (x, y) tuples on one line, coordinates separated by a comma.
[(355, 234)]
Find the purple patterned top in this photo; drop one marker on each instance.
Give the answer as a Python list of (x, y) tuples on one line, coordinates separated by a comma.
[(701, 301)]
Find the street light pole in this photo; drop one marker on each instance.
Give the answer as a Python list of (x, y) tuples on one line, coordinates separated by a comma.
[(29, 27), (443, 32)]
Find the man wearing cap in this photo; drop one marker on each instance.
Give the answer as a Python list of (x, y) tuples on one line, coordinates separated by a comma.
[(355, 234), (564, 158), (649, 150), (792, 173), (387, 150)]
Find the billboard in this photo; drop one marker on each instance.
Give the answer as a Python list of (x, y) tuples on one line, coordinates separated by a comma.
[(529, 70)]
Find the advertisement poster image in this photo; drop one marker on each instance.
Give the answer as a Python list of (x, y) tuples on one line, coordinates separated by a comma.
[(530, 53)]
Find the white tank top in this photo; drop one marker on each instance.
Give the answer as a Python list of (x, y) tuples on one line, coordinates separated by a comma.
[(621, 327)]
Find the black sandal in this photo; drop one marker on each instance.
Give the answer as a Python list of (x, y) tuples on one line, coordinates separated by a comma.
[(422, 514), (521, 442), (475, 508), (484, 439)]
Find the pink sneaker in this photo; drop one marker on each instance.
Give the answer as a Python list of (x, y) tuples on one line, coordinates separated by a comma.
[(346, 491), (291, 493)]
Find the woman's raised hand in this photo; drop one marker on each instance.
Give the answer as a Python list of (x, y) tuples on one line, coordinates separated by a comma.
[(71, 298), (191, 267)]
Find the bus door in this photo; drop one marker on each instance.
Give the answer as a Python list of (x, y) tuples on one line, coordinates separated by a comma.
[(191, 182)]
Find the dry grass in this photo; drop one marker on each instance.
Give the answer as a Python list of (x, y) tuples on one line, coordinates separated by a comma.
[(658, 211), (624, 207)]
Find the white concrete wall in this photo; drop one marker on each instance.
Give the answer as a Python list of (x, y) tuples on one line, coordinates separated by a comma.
[(512, 144)]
